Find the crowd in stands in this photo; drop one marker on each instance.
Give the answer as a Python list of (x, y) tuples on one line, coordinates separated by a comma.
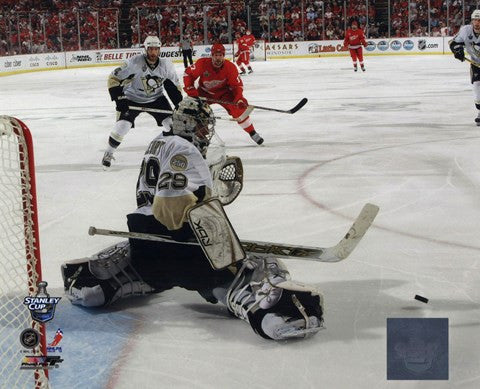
[(31, 26), (146, 17), (282, 20)]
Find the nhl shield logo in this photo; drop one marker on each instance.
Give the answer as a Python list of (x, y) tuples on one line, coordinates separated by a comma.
[(41, 306), (422, 44)]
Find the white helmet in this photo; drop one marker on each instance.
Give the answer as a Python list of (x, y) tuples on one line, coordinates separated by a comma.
[(151, 41), (476, 14), (194, 121)]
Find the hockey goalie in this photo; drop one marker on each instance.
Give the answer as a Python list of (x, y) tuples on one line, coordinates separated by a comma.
[(175, 186)]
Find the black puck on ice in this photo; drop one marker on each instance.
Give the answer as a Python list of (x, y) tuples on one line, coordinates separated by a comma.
[(420, 298)]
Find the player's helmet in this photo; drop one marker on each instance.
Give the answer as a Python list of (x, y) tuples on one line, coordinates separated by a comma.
[(194, 121), (218, 48), (476, 14), (151, 41)]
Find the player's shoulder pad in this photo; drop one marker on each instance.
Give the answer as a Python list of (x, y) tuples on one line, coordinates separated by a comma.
[(165, 62), (136, 59), (177, 144), (465, 30)]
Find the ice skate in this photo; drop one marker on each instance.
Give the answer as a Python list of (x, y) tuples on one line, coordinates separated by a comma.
[(250, 70), (276, 307), (477, 119), (363, 68), (256, 138), (107, 160)]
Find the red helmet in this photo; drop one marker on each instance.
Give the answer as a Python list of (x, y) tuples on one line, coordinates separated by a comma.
[(218, 48)]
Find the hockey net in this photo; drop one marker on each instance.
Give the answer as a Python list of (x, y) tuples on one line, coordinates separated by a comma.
[(20, 269)]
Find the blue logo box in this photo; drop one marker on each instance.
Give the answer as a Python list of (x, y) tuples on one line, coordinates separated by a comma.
[(417, 349)]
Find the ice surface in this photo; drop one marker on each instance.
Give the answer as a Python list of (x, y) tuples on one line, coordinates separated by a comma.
[(401, 135)]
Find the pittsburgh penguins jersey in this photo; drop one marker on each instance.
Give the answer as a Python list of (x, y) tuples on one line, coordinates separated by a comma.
[(141, 83), (471, 40), (172, 173)]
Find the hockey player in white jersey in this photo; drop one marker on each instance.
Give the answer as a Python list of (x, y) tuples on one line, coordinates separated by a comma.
[(141, 81), (173, 177), (468, 38)]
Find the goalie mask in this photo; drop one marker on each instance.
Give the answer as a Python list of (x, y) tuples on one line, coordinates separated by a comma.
[(194, 121)]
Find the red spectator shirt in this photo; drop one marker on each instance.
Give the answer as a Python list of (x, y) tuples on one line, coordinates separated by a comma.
[(354, 38), (214, 82)]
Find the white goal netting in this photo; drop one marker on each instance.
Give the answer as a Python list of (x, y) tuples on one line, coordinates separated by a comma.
[(19, 255)]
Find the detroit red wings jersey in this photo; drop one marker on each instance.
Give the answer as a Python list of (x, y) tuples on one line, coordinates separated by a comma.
[(245, 42), (214, 82), (354, 38)]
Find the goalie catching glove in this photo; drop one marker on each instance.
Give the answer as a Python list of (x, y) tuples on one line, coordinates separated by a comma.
[(227, 179)]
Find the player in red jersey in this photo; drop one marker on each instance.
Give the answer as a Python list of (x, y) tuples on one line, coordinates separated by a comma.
[(243, 53), (354, 40), (218, 80)]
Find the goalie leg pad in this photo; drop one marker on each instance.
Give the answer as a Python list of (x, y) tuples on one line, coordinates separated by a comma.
[(276, 307), (103, 278)]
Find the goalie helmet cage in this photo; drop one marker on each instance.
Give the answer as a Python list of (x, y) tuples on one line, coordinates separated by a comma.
[(20, 267)]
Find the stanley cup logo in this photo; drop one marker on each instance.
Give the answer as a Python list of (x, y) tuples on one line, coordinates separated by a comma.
[(41, 306)]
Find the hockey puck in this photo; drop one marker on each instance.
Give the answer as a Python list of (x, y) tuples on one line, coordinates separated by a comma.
[(420, 298)]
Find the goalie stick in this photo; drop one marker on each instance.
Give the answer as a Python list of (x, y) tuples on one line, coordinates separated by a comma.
[(335, 253), (300, 104)]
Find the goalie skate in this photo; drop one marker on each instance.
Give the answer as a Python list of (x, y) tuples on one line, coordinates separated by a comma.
[(275, 307), (296, 328)]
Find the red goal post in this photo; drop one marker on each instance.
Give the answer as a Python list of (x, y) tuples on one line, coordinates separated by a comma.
[(20, 265)]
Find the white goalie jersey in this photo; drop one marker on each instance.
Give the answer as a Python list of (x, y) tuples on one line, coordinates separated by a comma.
[(172, 171), (141, 83), (472, 42)]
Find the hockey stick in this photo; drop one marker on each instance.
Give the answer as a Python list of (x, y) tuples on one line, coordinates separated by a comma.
[(155, 110), (320, 254), (474, 63), (146, 109), (300, 104)]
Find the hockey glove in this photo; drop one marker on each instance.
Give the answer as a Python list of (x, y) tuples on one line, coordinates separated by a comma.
[(242, 103), (122, 104), (458, 52), (191, 91)]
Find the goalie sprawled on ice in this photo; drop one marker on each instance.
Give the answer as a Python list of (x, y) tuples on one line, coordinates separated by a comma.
[(175, 184)]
